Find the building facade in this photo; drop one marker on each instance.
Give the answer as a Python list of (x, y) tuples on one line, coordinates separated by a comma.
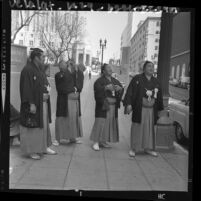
[(180, 52), (126, 43), (145, 44), (82, 53)]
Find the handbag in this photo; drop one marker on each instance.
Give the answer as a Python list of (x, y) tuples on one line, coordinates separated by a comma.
[(28, 119)]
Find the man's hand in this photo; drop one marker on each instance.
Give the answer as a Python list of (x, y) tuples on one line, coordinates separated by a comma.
[(109, 87), (128, 109), (75, 89), (33, 108), (118, 88)]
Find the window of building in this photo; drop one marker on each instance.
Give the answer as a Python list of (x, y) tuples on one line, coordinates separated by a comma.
[(178, 72), (157, 32), (20, 42), (183, 72), (32, 35), (173, 72), (155, 55), (31, 43), (156, 47), (21, 34), (157, 23), (156, 40)]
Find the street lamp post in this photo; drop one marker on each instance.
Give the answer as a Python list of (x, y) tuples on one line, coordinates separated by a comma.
[(102, 46)]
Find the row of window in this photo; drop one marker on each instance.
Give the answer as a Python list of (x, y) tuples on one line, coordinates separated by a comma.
[(30, 35), (143, 44), (179, 71), (141, 57), (143, 37), (30, 43)]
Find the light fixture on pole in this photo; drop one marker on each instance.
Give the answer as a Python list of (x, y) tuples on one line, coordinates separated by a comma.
[(102, 46)]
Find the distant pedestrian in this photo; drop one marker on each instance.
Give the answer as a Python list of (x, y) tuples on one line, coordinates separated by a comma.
[(69, 84), (144, 98), (89, 74), (108, 92), (35, 113)]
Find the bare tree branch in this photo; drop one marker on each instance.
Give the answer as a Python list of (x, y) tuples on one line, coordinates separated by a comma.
[(67, 32), (24, 22)]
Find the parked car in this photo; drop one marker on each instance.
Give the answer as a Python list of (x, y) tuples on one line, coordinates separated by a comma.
[(179, 114), (174, 82)]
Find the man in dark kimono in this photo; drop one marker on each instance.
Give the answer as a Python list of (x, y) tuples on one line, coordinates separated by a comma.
[(69, 83), (108, 92), (144, 98), (35, 107), (14, 125)]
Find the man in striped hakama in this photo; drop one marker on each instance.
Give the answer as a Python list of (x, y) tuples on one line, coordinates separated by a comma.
[(144, 98)]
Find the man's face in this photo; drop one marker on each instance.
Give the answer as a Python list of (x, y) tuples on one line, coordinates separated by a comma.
[(41, 59), (149, 69), (71, 64), (62, 66), (108, 70)]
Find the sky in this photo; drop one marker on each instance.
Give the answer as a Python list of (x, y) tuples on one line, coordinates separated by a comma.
[(109, 26)]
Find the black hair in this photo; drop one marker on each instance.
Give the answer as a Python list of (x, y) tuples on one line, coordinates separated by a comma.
[(35, 52), (103, 68), (145, 64), (46, 66)]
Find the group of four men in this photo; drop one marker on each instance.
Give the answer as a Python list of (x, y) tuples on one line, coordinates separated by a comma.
[(143, 97)]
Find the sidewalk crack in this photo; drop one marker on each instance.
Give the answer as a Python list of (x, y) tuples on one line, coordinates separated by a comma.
[(106, 171), (66, 176)]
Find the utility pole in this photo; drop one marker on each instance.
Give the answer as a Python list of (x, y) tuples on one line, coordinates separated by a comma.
[(163, 70)]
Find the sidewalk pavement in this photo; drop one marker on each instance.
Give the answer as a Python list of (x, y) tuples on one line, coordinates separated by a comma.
[(77, 166)]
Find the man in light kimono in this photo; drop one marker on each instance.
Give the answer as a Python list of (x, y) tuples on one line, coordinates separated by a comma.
[(144, 99)]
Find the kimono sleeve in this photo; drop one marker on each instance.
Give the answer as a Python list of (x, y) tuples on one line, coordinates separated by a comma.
[(129, 92), (26, 86), (119, 94), (80, 80), (59, 82), (99, 91)]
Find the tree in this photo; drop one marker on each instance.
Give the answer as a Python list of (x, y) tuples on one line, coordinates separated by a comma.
[(68, 30), (24, 21)]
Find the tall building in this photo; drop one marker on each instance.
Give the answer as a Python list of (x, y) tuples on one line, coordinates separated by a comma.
[(30, 36), (145, 44), (125, 43)]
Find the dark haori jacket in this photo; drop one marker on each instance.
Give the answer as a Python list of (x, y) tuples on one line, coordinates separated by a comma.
[(135, 93), (65, 83), (101, 94), (32, 86)]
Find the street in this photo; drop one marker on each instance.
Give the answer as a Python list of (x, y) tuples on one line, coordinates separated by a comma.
[(77, 166)]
